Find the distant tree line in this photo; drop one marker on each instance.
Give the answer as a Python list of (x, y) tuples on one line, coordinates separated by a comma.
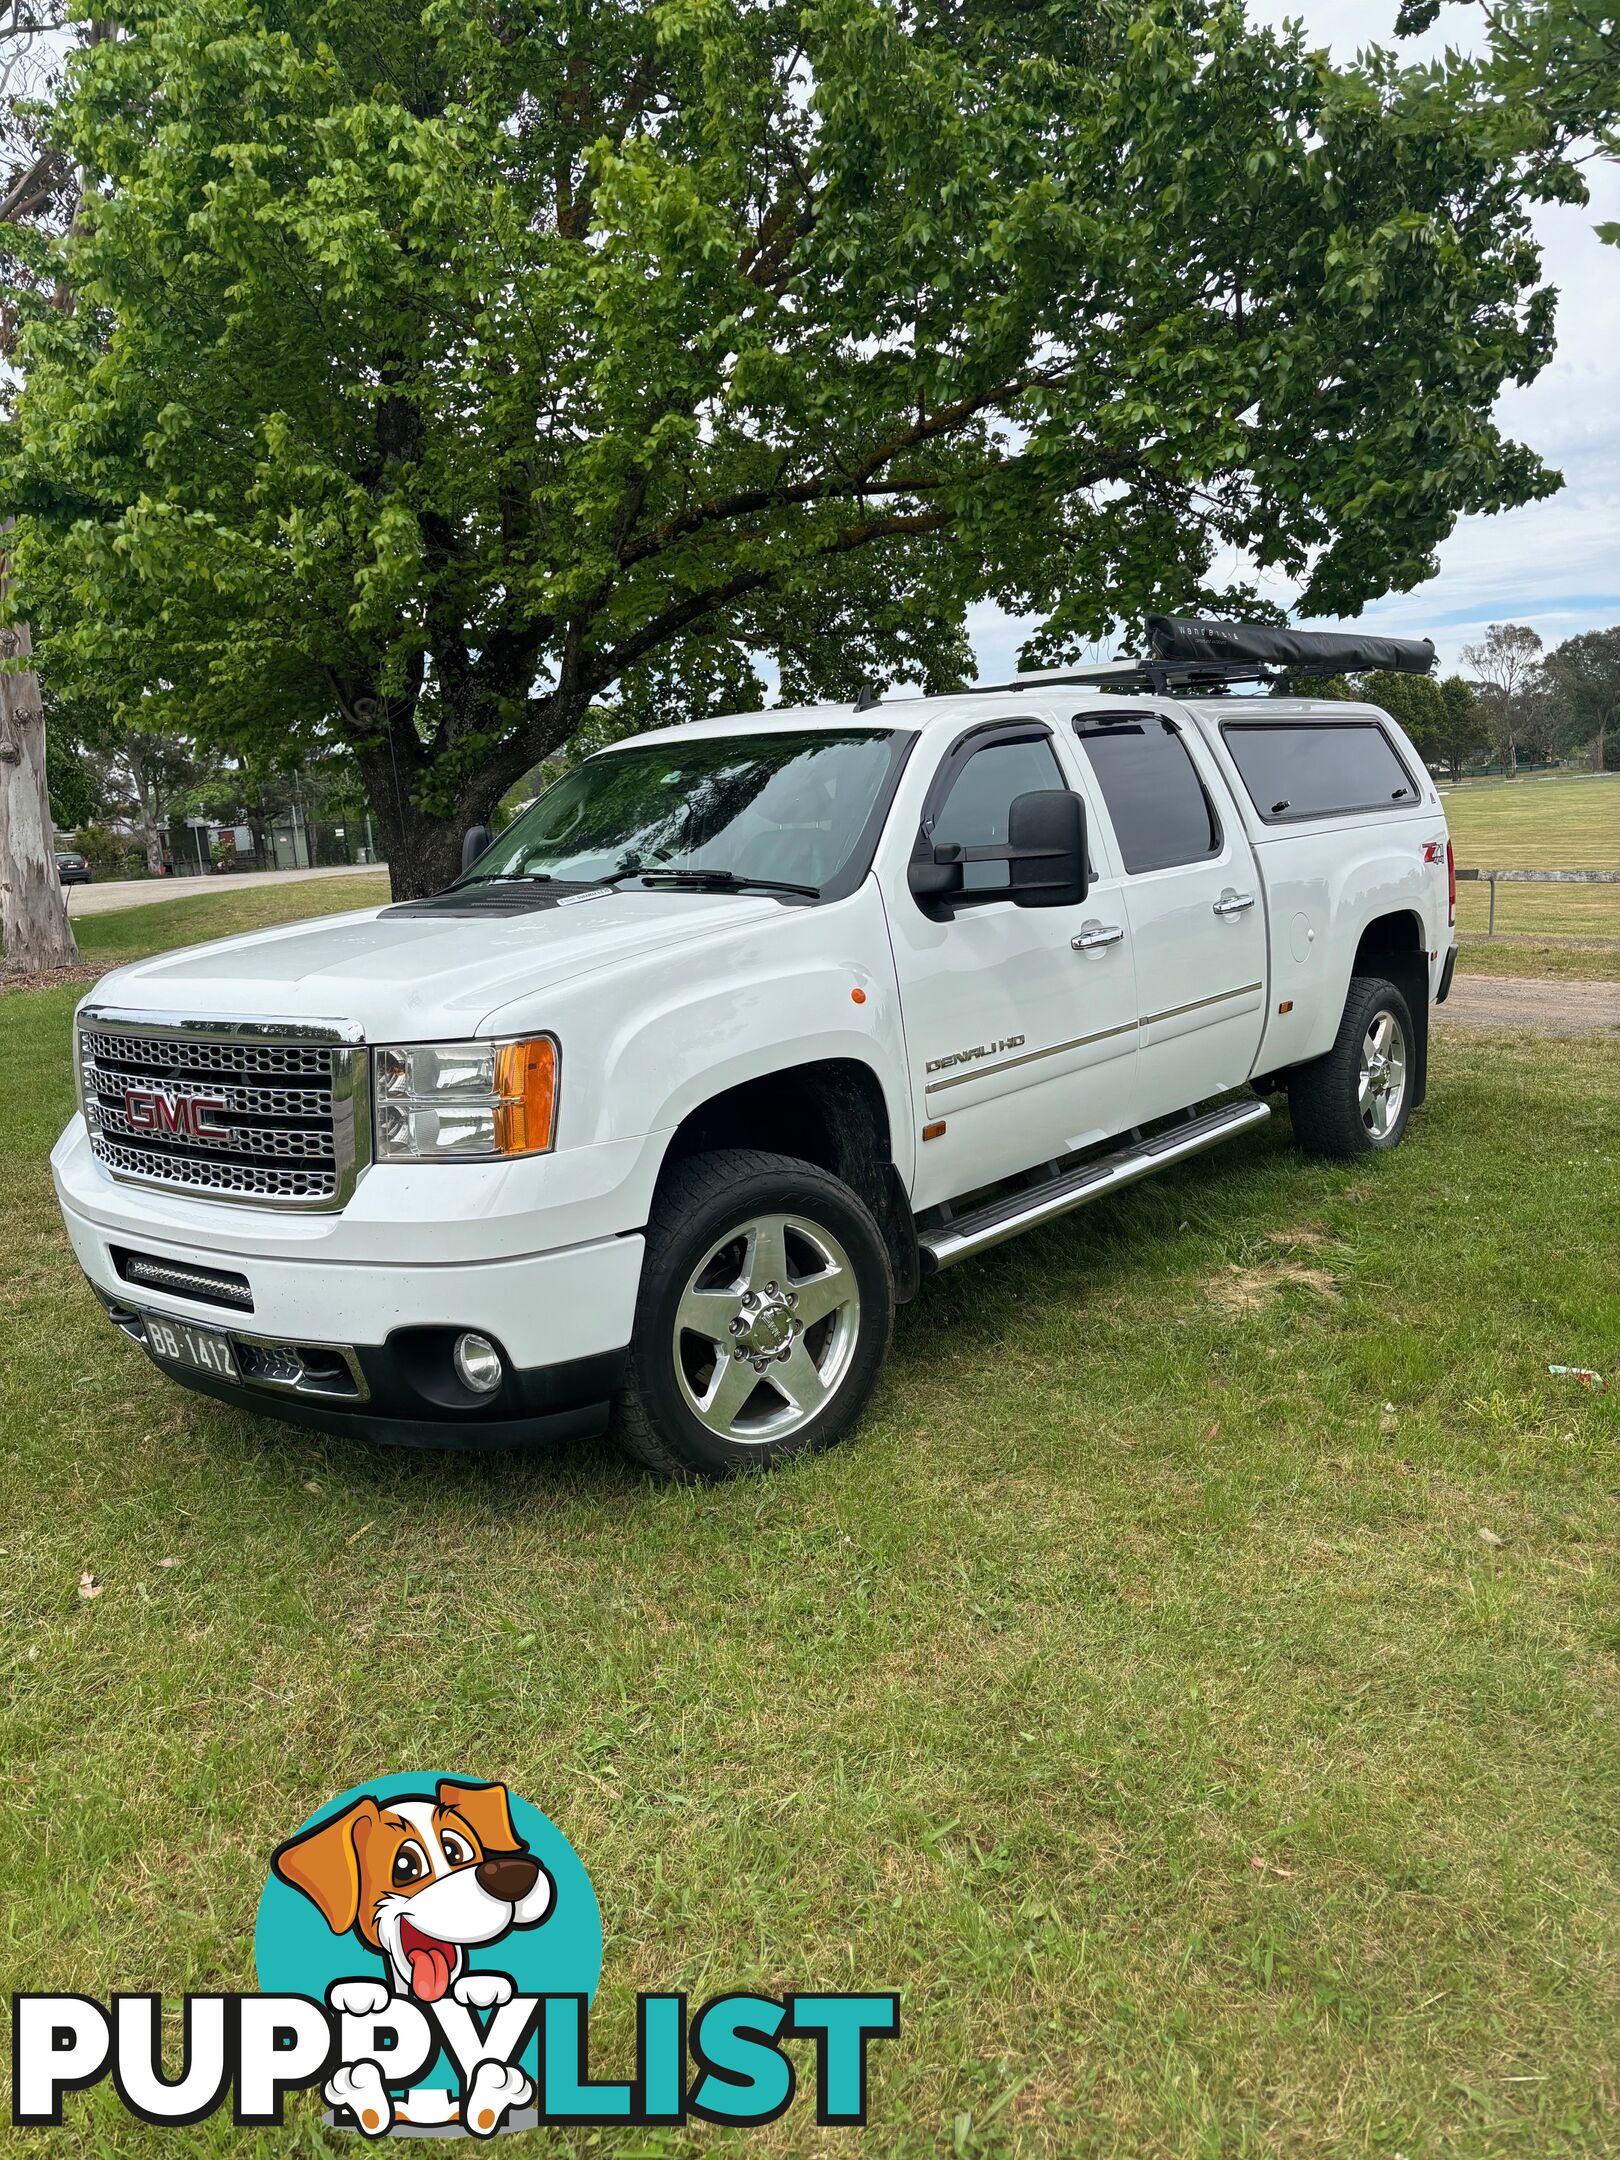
[(116, 792)]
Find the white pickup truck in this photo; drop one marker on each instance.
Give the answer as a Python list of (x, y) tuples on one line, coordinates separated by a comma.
[(743, 1029)]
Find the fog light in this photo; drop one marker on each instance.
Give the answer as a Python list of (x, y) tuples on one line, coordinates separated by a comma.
[(478, 1363)]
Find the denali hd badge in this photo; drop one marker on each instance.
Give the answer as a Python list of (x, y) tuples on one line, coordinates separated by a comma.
[(427, 1950), (979, 1050)]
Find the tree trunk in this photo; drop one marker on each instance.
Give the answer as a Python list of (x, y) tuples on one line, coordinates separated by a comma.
[(35, 933), (423, 853), (151, 829)]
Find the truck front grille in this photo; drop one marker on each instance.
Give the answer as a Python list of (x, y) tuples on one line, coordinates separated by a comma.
[(225, 1111)]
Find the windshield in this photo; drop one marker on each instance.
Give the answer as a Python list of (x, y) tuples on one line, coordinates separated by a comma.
[(781, 807)]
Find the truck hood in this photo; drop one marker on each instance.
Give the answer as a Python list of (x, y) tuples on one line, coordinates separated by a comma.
[(411, 977)]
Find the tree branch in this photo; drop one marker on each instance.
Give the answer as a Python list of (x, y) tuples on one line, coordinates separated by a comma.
[(697, 605), (36, 186), (861, 479)]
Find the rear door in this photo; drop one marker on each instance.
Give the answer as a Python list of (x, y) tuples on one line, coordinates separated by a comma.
[(1192, 901), (1020, 1022)]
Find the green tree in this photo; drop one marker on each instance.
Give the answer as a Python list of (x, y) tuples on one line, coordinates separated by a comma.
[(1338, 689), (1584, 676), (1413, 700), (1463, 732), (1553, 68), (74, 797), (1505, 664), (443, 371), (143, 779)]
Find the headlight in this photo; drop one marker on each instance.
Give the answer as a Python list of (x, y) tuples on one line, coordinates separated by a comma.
[(448, 1102)]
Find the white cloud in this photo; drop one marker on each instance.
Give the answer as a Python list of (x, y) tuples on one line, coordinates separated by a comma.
[(1553, 564)]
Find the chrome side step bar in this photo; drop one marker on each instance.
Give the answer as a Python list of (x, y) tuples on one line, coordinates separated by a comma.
[(1001, 1219)]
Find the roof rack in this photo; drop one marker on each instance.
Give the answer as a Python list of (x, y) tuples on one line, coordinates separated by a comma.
[(1163, 678)]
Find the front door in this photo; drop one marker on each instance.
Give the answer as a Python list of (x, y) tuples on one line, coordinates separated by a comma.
[(1192, 899), (1020, 1022)]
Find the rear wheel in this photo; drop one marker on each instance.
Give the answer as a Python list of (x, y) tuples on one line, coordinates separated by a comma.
[(764, 1316), (1359, 1096)]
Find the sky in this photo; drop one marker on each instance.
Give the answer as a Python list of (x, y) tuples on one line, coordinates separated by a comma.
[(1555, 564)]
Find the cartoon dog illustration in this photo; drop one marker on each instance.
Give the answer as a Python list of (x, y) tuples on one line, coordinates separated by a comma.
[(420, 1880)]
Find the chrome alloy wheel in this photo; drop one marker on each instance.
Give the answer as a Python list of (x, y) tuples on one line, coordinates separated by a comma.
[(766, 1328), (1382, 1088)]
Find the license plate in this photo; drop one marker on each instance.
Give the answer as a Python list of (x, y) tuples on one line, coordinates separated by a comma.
[(177, 1342)]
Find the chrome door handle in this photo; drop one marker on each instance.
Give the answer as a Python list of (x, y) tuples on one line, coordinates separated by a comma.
[(1094, 934), (1233, 903)]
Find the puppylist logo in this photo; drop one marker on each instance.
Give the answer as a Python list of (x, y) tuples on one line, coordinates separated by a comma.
[(427, 1950)]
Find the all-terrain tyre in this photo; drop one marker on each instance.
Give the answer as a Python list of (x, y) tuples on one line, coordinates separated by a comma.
[(764, 1316), (1359, 1096)]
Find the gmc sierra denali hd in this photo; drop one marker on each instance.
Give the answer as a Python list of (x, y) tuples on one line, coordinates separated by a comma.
[(743, 1029)]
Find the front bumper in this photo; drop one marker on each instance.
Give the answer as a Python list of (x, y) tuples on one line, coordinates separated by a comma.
[(402, 1392), (393, 1297)]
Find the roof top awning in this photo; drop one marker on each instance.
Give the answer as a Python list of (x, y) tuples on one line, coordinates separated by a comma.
[(1185, 640)]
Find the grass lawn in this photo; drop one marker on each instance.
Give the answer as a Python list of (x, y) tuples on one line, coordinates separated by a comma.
[(1541, 957), (1567, 822), (132, 933), (1220, 1762), (1580, 911), (1560, 824)]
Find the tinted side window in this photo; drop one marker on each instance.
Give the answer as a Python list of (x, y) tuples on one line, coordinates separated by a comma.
[(1161, 813), (1319, 769), (974, 813)]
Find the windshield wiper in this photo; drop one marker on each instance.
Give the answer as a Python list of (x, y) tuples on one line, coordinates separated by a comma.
[(708, 880)]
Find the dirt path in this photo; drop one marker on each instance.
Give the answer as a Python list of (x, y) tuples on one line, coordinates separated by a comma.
[(1531, 1004)]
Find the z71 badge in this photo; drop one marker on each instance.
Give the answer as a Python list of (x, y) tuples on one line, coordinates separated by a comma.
[(979, 1050)]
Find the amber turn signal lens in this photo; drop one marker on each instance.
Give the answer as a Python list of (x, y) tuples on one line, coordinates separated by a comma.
[(526, 1096)]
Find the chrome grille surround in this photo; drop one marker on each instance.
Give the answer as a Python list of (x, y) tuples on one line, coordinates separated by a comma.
[(293, 1096)]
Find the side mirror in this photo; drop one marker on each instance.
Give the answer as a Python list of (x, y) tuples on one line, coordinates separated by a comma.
[(1046, 849), (935, 873), (473, 843)]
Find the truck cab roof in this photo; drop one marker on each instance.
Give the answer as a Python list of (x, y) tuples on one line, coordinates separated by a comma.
[(1041, 699)]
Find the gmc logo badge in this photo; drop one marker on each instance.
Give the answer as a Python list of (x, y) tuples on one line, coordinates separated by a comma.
[(184, 1117)]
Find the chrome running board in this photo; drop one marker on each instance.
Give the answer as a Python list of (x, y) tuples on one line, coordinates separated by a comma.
[(1001, 1219)]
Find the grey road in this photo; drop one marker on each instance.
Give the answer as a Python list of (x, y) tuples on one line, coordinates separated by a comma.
[(143, 892)]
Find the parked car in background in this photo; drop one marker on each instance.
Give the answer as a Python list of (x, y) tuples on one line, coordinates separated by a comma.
[(744, 1029), (71, 867)]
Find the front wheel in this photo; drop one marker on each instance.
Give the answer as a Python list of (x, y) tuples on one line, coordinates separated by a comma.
[(766, 1305), (1359, 1096)]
